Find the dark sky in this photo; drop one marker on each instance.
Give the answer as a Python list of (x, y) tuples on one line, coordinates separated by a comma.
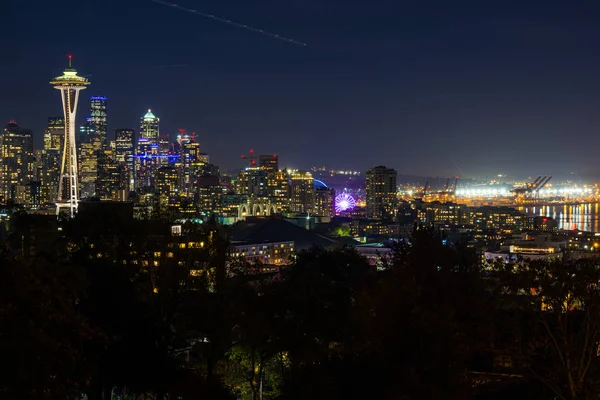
[(491, 86)]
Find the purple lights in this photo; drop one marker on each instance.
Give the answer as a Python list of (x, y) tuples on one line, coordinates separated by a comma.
[(344, 202)]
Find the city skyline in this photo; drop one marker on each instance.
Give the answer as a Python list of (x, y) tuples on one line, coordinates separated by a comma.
[(492, 90)]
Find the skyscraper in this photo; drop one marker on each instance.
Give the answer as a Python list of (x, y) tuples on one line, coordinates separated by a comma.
[(98, 119), (16, 161), (69, 85), (149, 130), (324, 202), (167, 181), (278, 190), (51, 160), (124, 151), (381, 192), (302, 192), (86, 131), (88, 168), (269, 163), (54, 134), (147, 157), (108, 184), (257, 182), (92, 143)]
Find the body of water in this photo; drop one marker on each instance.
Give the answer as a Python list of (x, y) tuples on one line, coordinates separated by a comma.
[(583, 217)]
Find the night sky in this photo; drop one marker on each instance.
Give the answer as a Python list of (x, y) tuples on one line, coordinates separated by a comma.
[(422, 86)]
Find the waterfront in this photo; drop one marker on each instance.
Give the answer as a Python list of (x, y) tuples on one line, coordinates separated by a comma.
[(584, 216)]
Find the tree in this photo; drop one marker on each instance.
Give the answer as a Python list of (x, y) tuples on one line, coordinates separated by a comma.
[(43, 336), (561, 300)]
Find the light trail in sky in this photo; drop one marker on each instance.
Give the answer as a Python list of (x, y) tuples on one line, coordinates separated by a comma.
[(229, 22), (172, 66)]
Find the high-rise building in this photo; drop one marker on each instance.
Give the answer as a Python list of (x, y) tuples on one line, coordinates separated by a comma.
[(149, 130), (124, 151), (278, 190), (324, 202), (190, 166), (381, 192), (54, 134), (88, 168), (51, 160), (209, 193), (147, 155), (69, 85), (91, 143), (257, 182), (302, 192), (167, 181), (269, 163), (109, 184), (86, 131), (16, 161), (98, 119)]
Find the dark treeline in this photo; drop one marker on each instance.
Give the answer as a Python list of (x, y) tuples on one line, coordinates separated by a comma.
[(124, 310)]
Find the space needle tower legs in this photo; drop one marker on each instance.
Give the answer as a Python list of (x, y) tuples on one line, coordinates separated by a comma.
[(69, 85)]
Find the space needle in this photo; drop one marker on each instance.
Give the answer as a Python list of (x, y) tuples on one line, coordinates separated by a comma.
[(69, 85)]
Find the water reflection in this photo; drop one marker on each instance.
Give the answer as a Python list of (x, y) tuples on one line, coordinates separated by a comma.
[(583, 217)]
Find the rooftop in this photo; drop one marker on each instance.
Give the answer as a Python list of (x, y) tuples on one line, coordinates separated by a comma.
[(149, 116)]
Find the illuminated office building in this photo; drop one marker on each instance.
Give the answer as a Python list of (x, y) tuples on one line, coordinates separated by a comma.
[(381, 192), (124, 144), (209, 194), (302, 192), (124, 151), (324, 202), (149, 130), (109, 184), (147, 154), (164, 146), (91, 143), (278, 190), (29, 195), (98, 119), (50, 175), (205, 158), (88, 169), (269, 163), (16, 161), (54, 133), (37, 166), (86, 131), (189, 163), (69, 85), (257, 182), (50, 159), (167, 181)]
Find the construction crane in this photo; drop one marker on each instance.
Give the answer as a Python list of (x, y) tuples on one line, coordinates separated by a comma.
[(251, 157), (543, 183), (530, 187), (534, 183)]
